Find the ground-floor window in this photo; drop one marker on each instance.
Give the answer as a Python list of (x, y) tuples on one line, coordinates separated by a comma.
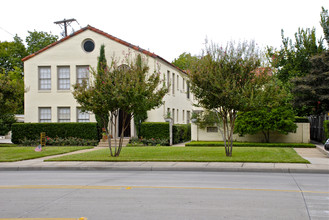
[(64, 114), (44, 114)]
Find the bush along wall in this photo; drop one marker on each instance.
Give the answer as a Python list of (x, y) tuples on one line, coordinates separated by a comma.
[(158, 132), (31, 131), (326, 129)]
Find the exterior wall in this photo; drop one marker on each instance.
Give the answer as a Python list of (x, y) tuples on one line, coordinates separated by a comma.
[(70, 53), (302, 135)]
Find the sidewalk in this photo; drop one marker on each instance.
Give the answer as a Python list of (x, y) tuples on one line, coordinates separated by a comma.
[(319, 164)]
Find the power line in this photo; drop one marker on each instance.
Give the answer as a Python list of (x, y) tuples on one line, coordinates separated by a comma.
[(6, 31)]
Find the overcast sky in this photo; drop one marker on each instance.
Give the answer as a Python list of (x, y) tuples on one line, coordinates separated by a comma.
[(169, 27)]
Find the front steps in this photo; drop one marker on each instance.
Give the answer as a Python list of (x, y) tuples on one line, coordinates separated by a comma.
[(106, 144)]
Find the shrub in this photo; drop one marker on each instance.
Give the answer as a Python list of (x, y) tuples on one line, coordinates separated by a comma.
[(301, 120), (155, 142), (156, 130), (69, 141), (31, 131), (181, 133), (249, 144), (326, 129)]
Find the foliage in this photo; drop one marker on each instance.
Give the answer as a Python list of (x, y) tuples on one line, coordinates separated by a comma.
[(155, 142), (11, 54), (249, 144), (6, 121), (326, 128), (184, 61), (129, 87), (301, 120), (275, 113), (181, 133), (36, 40), (193, 154), (225, 81), (58, 141), (325, 23), (156, 130), (11, 93), (265, 120), (311, 92), (10, 154), (293, 59), (31, 131)]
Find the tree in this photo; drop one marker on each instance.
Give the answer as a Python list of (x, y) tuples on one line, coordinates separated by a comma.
[(325, 24), (38, 40), (312, 91), (225, 81), (184, 61), (275, 113), (129, 88), (11, 54)]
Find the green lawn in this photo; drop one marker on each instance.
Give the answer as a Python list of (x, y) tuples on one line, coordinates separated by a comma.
[(188, 154), (12, 153)]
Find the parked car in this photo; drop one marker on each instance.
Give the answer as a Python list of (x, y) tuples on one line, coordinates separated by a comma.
[(326, 145)]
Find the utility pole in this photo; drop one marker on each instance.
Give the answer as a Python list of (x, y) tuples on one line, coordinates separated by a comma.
[(65, 23)]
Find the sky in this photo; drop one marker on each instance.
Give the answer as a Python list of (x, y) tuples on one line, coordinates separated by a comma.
[(169, 27)]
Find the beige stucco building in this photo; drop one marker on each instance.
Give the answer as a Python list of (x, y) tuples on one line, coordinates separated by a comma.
[(50, 73)]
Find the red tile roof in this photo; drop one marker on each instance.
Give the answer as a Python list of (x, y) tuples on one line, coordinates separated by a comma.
[(148, 53)]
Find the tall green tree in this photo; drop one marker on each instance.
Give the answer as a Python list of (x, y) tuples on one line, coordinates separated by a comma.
[(36, 40), (325, 23), (312, 91), (184, 61), (225, 81), (131, 89)]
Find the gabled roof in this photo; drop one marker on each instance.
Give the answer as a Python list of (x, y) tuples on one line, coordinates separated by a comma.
[(148, 53)]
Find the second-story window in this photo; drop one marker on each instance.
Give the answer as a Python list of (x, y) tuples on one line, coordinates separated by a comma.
[(64, 78), (173, 83), (177, 82), (168, 80), (44, 78), (82, 74), (188, 89)]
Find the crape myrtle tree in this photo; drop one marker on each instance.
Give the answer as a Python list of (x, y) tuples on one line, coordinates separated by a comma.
[(224, 81), (275, 113), (128, 87)]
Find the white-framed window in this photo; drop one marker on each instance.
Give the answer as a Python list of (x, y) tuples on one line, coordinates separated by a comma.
[(82, 116), (183, 85), (64, 114), (173, 83), (168, 81), (183, 116), (44, 78), (177, 116), (188, 117), (82, 74), (177, 82), (188, 89), (63, 77), (173, 116), (44, 114)]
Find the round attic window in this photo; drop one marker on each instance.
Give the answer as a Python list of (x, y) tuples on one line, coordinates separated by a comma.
[(88, 45)]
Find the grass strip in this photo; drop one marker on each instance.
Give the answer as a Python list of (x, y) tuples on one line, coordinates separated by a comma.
[(191, 154), (10, 154), (249, 144)]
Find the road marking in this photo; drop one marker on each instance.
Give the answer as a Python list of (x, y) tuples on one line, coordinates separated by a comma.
[(147, 187)]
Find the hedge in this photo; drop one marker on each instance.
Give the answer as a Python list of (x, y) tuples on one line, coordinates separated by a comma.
[(160, 130), (248, 144), (326, 129), (156, 130), (181, 133), (31, 131), (301, 120)]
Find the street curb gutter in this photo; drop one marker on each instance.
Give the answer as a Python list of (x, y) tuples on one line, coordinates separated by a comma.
[(159, 168)]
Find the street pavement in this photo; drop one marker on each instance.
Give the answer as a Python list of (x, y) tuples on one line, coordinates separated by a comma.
[(318, 158)]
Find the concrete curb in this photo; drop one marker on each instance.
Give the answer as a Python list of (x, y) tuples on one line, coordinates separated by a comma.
[(165, 168)]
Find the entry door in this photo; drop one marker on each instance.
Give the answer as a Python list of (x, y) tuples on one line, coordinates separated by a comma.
[(127, 123)]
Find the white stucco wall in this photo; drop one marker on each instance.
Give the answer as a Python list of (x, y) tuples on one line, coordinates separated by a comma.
[(70, 53), (302, 135)]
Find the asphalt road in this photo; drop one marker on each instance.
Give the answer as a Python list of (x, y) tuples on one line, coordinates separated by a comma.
[(163, 195)]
